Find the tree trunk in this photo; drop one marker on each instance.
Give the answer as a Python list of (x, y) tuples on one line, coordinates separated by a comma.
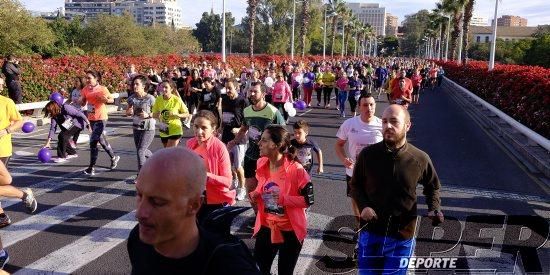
[(468, 11), (303, 28), (334, 22), (252, 5), (455, 34)]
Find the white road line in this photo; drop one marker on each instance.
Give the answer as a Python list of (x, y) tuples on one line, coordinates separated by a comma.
[(52, 185), (37, 223), (70, 258), (305, 112)]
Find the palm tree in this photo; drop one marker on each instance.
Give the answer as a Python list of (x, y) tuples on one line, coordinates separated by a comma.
[(305, 22), (252, 6), (337, 7), (454, 7), (468, 11)]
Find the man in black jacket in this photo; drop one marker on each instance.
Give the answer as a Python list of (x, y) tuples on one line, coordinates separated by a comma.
[(167, 239), (12, 72), (384, 187)]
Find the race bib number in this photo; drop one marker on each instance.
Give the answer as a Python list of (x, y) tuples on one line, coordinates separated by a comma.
[(163, 128), (279, 97), (68, 124), (254, 134), (304, 157), (207, 97), (227, 117)]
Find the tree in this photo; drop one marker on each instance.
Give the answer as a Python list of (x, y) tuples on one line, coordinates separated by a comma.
[(209, 30), (20, 33), (338, 8), (305, 21), (68, 34), (252, 6), (539, 52), (468, 12), (414, 28), (454, 7), (390, 46)]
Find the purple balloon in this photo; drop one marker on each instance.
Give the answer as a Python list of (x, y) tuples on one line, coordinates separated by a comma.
[(57, 97), (27, 127), (301, 105), (44, 155)]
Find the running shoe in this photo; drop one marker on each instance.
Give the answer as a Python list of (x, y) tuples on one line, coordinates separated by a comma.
[(59, 160), (318, 104), (4, 259), (29, 200), (114, 162), (4, 220), (241, 194), (72, 156), (90, 171)]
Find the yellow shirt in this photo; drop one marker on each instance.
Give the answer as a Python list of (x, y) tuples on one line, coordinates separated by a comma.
[(8, 113)]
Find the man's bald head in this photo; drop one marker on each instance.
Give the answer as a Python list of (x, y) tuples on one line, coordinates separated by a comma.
[(178, 166), (397, 110)]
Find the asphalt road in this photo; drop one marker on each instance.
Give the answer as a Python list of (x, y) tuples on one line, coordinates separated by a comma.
[(82, 222)]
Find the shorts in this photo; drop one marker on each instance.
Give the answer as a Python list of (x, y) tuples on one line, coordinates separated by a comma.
[(237, 155), (348, 186), (249, 167), (164, 140)]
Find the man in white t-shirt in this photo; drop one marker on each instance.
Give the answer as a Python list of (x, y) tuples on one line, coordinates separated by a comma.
[(358, 132)]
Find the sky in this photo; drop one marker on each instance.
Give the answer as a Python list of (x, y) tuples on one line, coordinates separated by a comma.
[(536, 11)]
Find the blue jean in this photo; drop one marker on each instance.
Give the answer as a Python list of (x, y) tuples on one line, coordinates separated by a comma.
[(342, 97), (382, 254)]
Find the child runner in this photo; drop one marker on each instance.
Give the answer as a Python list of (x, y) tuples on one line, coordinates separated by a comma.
[(304, 145)]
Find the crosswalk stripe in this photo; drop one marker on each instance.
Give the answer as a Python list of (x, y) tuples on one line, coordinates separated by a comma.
[(70, 258), (52, 185), (35, 224)]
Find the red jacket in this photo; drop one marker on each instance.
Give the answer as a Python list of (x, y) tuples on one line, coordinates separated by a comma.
[(219, 177), (294, 204)]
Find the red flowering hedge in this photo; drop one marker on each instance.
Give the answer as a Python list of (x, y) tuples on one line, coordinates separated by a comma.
[(522, 92), (41, 76)]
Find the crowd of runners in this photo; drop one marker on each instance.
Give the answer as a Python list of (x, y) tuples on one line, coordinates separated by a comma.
[(238, 118)]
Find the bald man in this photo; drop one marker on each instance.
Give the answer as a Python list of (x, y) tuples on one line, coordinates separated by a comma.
[(167, 239), (383, 186)]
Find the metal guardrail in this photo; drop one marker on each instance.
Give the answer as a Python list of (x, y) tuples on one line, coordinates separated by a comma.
[(37, 107), (530, 134)]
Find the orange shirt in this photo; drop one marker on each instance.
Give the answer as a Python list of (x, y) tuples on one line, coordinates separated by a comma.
[(201, 151), (93, 97)]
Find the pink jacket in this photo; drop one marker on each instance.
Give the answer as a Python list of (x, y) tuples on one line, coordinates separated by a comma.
[(294, 204), (281, 92), (218, 180)]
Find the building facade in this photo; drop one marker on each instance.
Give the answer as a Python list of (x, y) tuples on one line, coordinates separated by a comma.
[(371, 14), (511, 21), (479, 21), (485, 34), (145, 12), (392, 22)]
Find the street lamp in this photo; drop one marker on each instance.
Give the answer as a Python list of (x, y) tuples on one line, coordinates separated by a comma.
[(447, 36), (459, 59), (343, 33), (494, 42), (223, 31), (325, 31)]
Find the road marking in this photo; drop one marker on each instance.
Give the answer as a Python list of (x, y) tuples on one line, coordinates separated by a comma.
[(37, 223), (70, 258), (305, 112)]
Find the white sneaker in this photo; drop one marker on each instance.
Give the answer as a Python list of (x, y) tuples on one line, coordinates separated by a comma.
[(59, 160), (72, 156), (241, 194)]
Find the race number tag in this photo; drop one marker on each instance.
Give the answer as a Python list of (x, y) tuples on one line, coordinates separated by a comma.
[(227, 117), (67, 124)]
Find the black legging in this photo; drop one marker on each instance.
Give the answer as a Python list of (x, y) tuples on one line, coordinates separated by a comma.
[(319, 92), (327, 92), (96, 137), (265, 251), (63, 145)]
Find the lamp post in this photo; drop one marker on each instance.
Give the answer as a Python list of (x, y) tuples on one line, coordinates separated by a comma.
[(459, 59), (293, 24), (223, 31), (325, 32), (343, 33), (447, 37), (494, 42)]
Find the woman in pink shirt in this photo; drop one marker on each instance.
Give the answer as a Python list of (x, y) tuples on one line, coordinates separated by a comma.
[(283, 194), (281, 94), (216, 159)]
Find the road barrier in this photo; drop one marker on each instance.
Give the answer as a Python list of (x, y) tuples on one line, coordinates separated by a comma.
[(38, 107), (532, 146)]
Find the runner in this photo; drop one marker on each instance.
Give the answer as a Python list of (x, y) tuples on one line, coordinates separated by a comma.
[(355, 87), (140, 108), (95, 97), (342, 94), (216, 159), (233, 107), (304, 145), (358, 132), (401, 90), (283, 194), (256, 117), (169, 109), (71, 121), (307, 86), (210, 98), (328, 85), (281, 95)]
